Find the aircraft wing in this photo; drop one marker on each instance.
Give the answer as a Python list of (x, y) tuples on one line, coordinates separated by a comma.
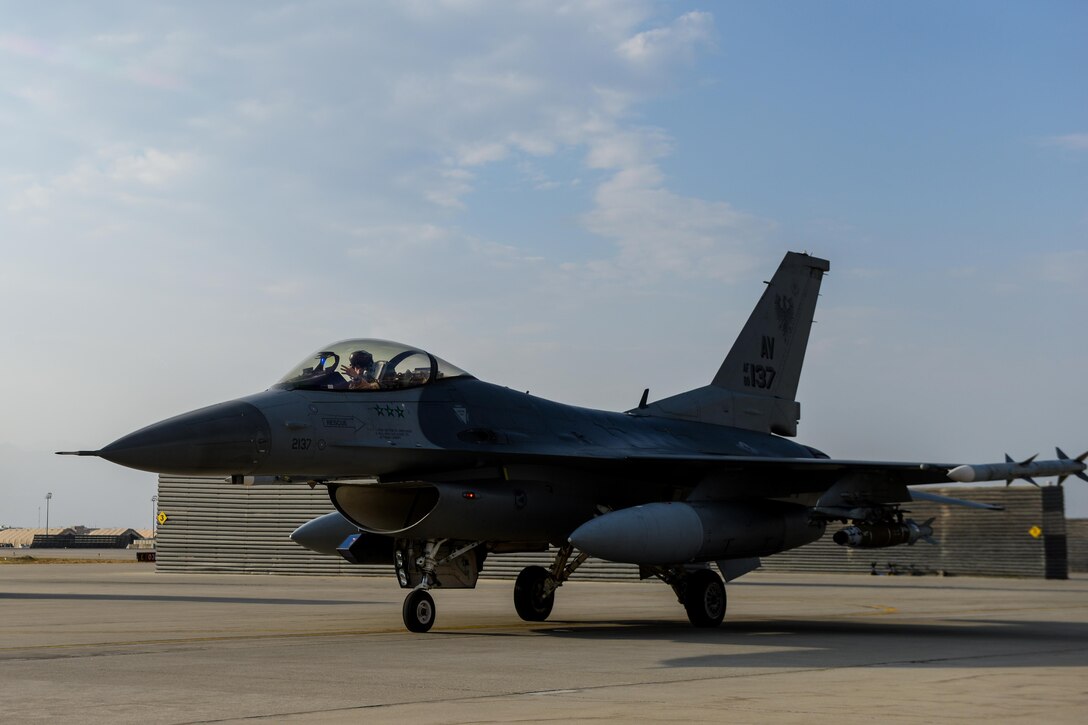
[(834, 487), (820, 470)]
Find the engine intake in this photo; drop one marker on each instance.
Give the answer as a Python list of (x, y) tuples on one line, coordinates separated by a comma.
[(492, 511)]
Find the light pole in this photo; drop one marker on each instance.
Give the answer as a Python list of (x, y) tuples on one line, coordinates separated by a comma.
[(154, 515), (48, 496)]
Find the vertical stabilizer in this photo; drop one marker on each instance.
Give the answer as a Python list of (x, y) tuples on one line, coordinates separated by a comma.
[(756, 386), (766, 359)]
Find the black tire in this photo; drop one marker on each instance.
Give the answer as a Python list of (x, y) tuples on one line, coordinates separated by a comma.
[(418, 611), (529, 598), (704, 598)]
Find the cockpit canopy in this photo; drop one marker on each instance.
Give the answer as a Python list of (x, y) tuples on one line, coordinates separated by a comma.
[(367, 365)]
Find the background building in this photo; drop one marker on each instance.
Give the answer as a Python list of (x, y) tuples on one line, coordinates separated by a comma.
[(209, 524)]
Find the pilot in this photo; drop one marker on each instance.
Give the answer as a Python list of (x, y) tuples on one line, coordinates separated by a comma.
[(360, 371)]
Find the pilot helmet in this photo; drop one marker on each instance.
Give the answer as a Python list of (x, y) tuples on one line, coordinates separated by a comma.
[(361, 359)]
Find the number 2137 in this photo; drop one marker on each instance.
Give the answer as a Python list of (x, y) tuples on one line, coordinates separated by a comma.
[(758, 376)]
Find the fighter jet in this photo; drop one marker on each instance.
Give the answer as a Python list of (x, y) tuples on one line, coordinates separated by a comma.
[(433, 470)]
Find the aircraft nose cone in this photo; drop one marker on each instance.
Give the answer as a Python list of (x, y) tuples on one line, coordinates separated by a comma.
[(224, 439)]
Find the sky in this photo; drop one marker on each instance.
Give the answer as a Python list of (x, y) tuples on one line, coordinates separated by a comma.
[(577, 199)]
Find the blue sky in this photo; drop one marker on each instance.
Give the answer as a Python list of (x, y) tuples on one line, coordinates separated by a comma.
[(577, 199)]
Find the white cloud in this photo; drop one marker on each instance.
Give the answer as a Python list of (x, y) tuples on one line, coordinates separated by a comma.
[(658, 232), (391, 238), (1069, 141), (33, 198), (482, 153), (1063, 268), (624, 149), (675, 41), (449, 187), (113, 174), (152, 166)]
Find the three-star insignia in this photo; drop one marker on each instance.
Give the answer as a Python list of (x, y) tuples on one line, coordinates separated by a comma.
[(388, 411)]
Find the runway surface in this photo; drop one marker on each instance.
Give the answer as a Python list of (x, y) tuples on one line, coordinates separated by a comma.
[(120, 643)]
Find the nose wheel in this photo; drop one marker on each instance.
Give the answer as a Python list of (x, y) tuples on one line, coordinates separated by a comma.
[(418, 611)]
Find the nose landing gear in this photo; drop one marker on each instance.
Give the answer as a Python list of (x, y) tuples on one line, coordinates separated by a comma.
[(459, 568)]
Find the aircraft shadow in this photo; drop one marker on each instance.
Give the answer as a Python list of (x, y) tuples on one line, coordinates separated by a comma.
[(176, 598), (809, 644), (907, 582)]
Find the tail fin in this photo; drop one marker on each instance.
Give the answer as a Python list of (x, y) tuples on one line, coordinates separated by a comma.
[(757, 383), (767, 356)]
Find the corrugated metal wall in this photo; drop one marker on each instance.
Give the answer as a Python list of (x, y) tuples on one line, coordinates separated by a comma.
[(1077, 536), (212, 525)]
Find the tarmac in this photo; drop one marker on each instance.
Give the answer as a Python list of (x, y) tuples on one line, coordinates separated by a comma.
[(119, 643)]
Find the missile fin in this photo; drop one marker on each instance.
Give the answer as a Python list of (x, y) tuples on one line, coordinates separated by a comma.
[(1079, 459), (930, 539), (1030, 480)]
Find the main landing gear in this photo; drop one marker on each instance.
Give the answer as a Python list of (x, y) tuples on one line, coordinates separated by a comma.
[(703, 598), (534, 590), (701, 591)]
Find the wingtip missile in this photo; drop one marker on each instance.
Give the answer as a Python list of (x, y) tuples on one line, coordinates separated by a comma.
[(1028, 469)]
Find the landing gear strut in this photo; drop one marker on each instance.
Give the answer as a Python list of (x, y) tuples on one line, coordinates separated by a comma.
[(534, 590), (419, 611)]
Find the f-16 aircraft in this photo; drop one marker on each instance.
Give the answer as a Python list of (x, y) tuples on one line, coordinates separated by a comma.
[(433, 470)]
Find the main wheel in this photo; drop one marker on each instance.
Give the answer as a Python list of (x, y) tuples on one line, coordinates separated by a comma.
[(418, 611), (532, 603), (704, 598)]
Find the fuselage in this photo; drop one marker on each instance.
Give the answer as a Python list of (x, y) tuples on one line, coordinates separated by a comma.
[(456, 423)]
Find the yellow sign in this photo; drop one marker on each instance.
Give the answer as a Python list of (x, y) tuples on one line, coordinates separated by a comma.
[(161, 518), (1035, 532)]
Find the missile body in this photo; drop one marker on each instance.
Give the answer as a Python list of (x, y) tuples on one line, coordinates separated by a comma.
[(880, 535), (1011, 470)]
